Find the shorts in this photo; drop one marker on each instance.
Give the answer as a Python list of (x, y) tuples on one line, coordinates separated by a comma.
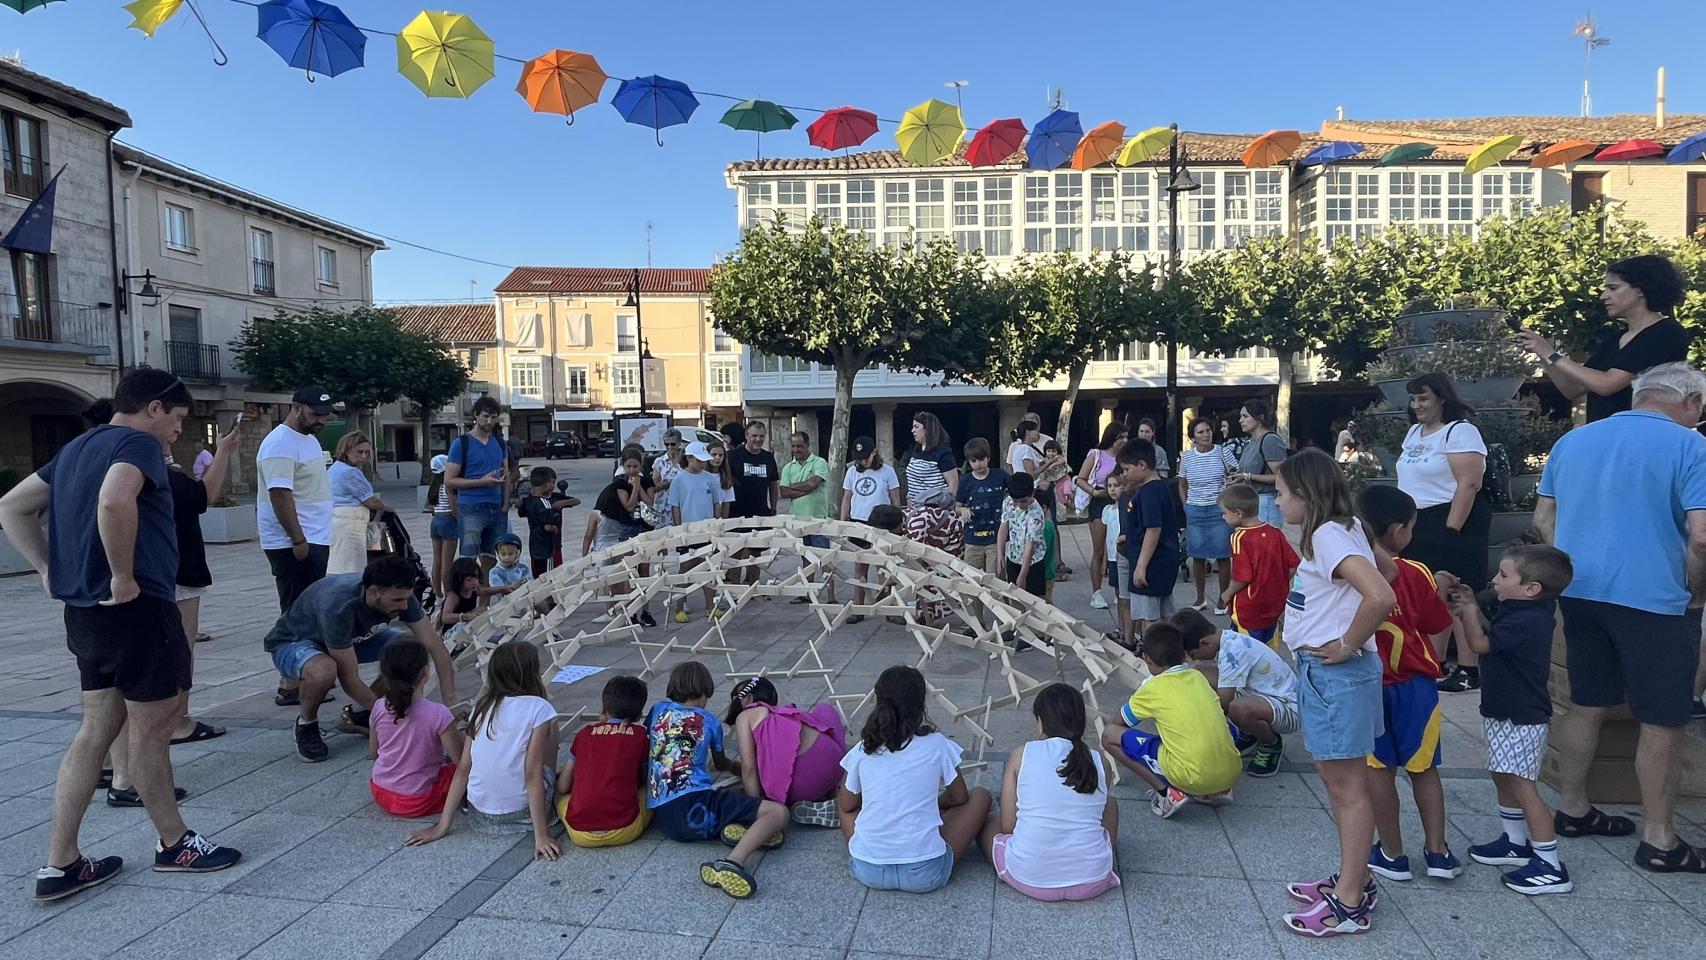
[(1122, 572), (480, 525), (1098, 502), (1145, 607), (1145, 748), (983, 558), (182, 593), (605, 838), (445, 527), (1268, 634), (1618, 654), (1340, 705), (137, 647), (516, 820), (702, 814), (1412, 716), (922, 876), (1207, 537), (1285, 719), (428, 804), (1515, 748), (1078, 891), (290, 658), (1036, 579)]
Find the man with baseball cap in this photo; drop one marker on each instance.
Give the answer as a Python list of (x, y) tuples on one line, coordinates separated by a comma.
[(295, 514)]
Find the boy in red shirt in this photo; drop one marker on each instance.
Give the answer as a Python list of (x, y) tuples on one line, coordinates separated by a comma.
[(1262, 565), (1409, 669), (607, 771)]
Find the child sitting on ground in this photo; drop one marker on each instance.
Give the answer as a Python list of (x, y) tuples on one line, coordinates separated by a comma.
[(685, 741), (1257, 689), (409, 737), (1052, 838), (1516, 653), (904, 808), (463, 603), (602, 786), (788, 755), (508, 766), (1190, 754), (1410, 740), (1262, 564), (509, 573)]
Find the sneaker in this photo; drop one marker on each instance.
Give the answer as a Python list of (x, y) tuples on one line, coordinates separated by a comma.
[(681, 616), (1392, 868), (128, 797), (1220, 611), (354, 721), (1537, 877), (310, 746), (1502, 852), (1097, 601), (718, 612), (1443, 866), (193, 853), (735, 832), (729, 877), (1265, 759), (1164, 805), (57, 883), (817, 813), (647, 620), (1459, 680)]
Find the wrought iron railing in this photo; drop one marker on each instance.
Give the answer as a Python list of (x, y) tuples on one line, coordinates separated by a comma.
[(192, 360), (34, 320), (264, 281)]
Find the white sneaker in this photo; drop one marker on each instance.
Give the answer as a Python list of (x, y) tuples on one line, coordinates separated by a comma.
[(1098, 601), (1220, 611)]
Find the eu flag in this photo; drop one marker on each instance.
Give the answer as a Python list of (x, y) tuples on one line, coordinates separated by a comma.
[(33, 232)]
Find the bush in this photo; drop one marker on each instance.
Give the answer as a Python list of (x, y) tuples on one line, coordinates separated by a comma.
[(1457, 359)]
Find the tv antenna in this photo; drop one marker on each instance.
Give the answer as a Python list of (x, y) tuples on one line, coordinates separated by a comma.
[(1056, 97), (958, 85), (648, 243), (1588, 30)]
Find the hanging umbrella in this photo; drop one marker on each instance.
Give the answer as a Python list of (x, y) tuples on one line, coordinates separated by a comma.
[(841, 127), (1564, 151), (1053, 139), (1272, 148), (561, 82), (996, 142), (311, 36), (148, 15), (1329, 153), (1690, 150), (444, 54), (1629, 150), (930, 132), (1099, 145), (761, 116), (1405, 153), (25, 6), (1145, 145), (1491, 152), (655, 102)]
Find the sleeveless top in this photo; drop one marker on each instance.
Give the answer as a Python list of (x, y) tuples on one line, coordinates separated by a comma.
[(1058, 840), (443, 504)]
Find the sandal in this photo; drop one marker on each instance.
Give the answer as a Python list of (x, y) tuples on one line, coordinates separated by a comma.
[(1311, 892), (201, 732), (1313, 922), (1681, 858), (1595, 822)]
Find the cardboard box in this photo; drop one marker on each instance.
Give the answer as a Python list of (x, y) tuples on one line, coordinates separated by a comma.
[(1609, 780)]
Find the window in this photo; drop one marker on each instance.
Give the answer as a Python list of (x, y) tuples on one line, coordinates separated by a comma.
[(1430, 188), (260, 253), (931, 216), (625, 380), (725, 377), (770, 363), (326, 266), (1039, 240), (1036, 211), (1069, 184), (929, 191), (626, 339), (721, 342), (966, 241), (184, 324), (1402, 209), (1068, 238), (1237, 234), (474, 357), (791, 192), (1036, 188), (1237, 196), (965, 191), (997, 188), (998, 243), (1522, 194), (21, 152), (574, 381), (828, 194), (1368, 196), (1069, 211), (862, 218), (526, 378), (998, 214), (1401, 184), (180, 228), (1460, 201), (1492, 194), (30, 280), (965, 214), (861, 191), (897, 192), (1104, 239), (1128, 353), (758, 193), (897, 216)]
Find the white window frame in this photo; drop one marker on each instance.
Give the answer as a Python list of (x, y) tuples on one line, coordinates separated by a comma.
[(324, 256), (527, 377), (570, 375), (186, 243)]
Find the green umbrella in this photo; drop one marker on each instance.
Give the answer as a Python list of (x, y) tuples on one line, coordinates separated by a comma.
[(1404, 153), (760, 116), (24, 6)]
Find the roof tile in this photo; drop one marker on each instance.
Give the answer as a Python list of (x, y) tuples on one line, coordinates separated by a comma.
[(454, 323), (605, 280)]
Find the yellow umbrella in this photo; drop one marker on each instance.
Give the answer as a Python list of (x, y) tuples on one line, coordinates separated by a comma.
[(930, 132), (148, 15), (1492, 152), (444, 54), (1144, 146)]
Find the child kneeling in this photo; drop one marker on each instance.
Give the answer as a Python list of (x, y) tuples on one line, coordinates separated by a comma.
[(601, 788), (410, 738), (1257, 689)]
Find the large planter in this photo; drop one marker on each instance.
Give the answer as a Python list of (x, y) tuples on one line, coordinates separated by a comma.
[(1395, 392), (230, 524), (1488, 391), (1507, 525), (1523, 486), (1426, 325)]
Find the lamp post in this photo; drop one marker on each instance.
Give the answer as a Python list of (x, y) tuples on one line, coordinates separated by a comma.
[(640, 348), (1179, 180)]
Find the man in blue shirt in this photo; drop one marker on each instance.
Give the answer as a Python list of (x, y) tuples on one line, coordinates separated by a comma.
[(478, 476), (1625, 497)]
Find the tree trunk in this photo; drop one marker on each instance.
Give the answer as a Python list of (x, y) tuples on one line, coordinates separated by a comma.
[(839, 422), (1282, 402), (426, 443), (1063, 426)]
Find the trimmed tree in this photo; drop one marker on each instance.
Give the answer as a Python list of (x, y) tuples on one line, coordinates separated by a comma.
[(436, 377)]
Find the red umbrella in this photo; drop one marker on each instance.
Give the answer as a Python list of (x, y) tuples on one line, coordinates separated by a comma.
[(842, 127), (996, 142), (1630, 150)]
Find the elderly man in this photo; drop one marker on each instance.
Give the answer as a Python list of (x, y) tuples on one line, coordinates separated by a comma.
[(1626, 498)]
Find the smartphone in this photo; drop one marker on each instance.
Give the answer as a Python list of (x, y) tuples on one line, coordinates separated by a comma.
[(238, 419), (1513, 323)]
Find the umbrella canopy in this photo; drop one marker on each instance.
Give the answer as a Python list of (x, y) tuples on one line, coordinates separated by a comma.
[(1629, 150), (1491, 152), (1690, 150), (1053, 139), (561, 82), (1272, 148), (311, 36), (1099, 145), (148, 15), (842, 127), (1564, 151), (24, 6), (760, 115), (655, 102), (1405, 153), (930, 132), (996, 142), (1328, 153), (1145, 145), (444, 54)]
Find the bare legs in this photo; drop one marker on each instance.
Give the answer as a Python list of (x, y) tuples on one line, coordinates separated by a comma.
[(1348, 788), (149, 732), (1430, 803)]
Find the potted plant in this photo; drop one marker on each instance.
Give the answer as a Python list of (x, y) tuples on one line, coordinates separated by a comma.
[(226, 521), (1424, 317)]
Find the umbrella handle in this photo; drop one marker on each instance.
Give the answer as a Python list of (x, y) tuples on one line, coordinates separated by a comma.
[(219, 57), (309, 74), (571, 121), (657, 133)]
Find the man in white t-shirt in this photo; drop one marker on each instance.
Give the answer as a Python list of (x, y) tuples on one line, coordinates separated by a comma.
[(295, 512)]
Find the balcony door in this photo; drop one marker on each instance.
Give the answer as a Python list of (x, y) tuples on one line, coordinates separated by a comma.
[(32, 315)]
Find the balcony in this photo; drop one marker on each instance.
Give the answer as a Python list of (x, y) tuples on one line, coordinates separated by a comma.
[(264, 283), (192, 360), (595, 398), (55, 326), (20, 184)]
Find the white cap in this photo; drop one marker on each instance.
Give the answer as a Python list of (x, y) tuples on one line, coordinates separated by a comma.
[(438, 463), (698, 451)]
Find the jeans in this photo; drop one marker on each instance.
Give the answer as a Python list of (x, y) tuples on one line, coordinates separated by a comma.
[(1269, 511), (292, 576), (923, 876), (290, 658), (482, 524)]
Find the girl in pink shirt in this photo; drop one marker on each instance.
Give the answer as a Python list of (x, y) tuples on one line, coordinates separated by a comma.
[(410, 738)]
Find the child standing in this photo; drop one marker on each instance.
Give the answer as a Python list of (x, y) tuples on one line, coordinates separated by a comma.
[(1262, 565), (1191, 752), (695, 495), (980, 496), (544, 515), (602, 786), (446, 535), (410, 738), (1516, 653), (904, 808), (1151, 528), (1020, 538), (1337, 599), (1258, 690), (1406, 641), (685, 741), (1053, 836), (1112, 547), (509, 573)]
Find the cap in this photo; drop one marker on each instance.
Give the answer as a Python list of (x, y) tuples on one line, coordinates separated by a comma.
[(1031, 418), (438, 463), (672, 435), (699, 451), (315, 398), (863, 447), (509, 538)]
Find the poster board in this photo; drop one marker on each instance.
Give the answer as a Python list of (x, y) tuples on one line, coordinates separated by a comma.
[(645, 430)]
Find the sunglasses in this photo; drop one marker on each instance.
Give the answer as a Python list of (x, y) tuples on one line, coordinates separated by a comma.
[(176, 383)]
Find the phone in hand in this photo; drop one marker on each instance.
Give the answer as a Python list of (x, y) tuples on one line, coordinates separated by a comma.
[(1513, 323), (238, 419)]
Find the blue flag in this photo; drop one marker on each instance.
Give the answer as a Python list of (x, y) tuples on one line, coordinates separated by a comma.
[(34, 230)]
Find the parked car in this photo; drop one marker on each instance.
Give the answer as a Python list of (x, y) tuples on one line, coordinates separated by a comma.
[(562, 443), (607, 444)]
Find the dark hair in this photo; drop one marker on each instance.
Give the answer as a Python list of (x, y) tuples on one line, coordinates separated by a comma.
[(1656, 277), (735, 431), (935, 435), (1053, 445), (1021, 485), (690, 680), (1201, 422), (1138, 450), (1241, 499), (801, 436), (433, 486), (750, 690), (624, 698), (1148, 422), (1193, 628), (144, 385), (609, 501), (1111, 435), (1059, 709), (541, 475), (1384, 507), (899, 712), (1164, 645), (513, 671), (1543, 564), (1314, 478), (388, 571), (632, 451), (1259, 411), (97, 413), (887, 516), (461, 569), (977, 448), (487, 405), (401, 663), (1452, 406)]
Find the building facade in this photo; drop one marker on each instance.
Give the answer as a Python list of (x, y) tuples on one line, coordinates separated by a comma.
[(470, 329)]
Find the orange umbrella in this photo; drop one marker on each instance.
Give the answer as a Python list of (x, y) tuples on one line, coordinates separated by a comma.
[(1099, 145), (1272, 148), (561, 81), (1564, 151)]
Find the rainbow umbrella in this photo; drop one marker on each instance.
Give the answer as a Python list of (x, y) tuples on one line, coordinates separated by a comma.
[(148, 15), (1690, 150), (1405, 153), (1053, 139), (445, 54), (1099, 145), (561, 82), (841, 127), (311, 36), (655, 102), (1272, 148), (1564, 151), (930, 132), (1626, 150), (1491, 152), (996, 142), (1144, 146), (1330, 153)]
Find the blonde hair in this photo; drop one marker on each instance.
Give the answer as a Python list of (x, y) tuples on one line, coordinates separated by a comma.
[(1312, 477), (348, 442)]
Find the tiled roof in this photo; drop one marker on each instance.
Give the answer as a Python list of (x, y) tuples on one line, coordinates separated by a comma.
[(611, 281), (452, 322), (1537, 130), (34, 86), (1201, 147)]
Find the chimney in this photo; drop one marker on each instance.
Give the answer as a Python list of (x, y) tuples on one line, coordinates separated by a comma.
[(1659, 109)]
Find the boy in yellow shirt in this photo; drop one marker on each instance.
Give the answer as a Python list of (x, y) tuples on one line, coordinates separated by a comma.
[(1191, 753)]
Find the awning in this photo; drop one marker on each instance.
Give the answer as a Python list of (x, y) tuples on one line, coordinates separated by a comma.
[(562, 415)]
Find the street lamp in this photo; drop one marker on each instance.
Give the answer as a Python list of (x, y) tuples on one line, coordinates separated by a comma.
[(1179, 180), (640, 346), (148, 291)]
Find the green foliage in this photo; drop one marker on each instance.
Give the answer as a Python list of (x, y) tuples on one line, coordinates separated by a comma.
[(1270, 292), (1061, 310), (1457, 359), (360, 355)]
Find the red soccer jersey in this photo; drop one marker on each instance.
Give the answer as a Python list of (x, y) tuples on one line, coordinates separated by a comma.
[(1262, 558), (609, 763), (1406, 650)]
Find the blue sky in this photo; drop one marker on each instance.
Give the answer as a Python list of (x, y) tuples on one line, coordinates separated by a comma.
[(488, 179)]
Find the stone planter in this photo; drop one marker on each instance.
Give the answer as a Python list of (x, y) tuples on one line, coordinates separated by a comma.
[(1426, 325), (229, 524), (1509, 524), (1489, 391), (1523, 486), (1394, 392)]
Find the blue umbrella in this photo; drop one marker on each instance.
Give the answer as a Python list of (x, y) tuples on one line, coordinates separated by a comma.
[(1690, 150), (311, 36), (1331, 153), (1053, 139), (655, 102)]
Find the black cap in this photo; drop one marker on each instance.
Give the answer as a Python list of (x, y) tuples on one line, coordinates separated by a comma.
[(315, 398), (863, 447)]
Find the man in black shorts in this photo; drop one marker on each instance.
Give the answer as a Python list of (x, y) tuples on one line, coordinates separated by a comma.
[(110, 553), (757, 487)]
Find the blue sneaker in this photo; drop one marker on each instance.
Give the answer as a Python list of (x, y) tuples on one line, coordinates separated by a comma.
[(1392, 868), (1537, 877), (1502, 853), (1444, 866), (1245, 744)]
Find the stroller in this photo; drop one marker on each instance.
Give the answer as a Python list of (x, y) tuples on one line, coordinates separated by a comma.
[(396, 543)]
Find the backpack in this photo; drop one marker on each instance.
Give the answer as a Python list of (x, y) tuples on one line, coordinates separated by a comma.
[(1495, 476)]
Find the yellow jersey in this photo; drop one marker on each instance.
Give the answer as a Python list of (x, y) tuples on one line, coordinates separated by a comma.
[(1197, 754)]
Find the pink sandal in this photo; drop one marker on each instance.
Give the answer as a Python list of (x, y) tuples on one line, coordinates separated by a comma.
[(1313, 922), (1310, 892)]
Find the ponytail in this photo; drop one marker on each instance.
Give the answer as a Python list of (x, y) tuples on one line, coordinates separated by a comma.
[(400, 666), (1059, 709)]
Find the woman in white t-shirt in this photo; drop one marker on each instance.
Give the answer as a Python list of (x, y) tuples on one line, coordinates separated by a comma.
[(869, 483), (904, 808)]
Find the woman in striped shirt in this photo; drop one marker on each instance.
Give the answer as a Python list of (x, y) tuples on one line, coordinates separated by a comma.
[(1202, 475), (931, 467)]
